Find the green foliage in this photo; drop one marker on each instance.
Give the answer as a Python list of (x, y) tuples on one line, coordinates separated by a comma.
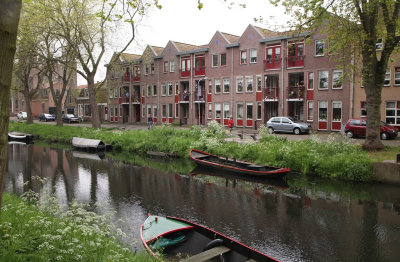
[(30, 231)]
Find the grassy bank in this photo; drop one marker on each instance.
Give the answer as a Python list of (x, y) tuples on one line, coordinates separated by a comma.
[(33, 232), (331, 159)]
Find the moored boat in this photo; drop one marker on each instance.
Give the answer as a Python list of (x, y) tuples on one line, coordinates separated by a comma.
[(175, 239), (232, 165), (88, 144), (20, 137)]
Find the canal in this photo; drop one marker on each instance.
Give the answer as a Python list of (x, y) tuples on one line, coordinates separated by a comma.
[(296, 220)]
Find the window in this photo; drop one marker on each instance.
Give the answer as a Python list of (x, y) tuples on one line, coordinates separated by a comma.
[(253, 55), (152, 68), (397, 76), (249, 110), (322, 110), (217, 86), (166, 66), (243, 57), (319, 47), (323, 79), (148, 90), (210, 86), (310, 110), (154, 90), (116, 92), (176, 88), (176, 110), (259, 83), (310, 85), (337, 79), (170, 113), (226, 85), (239, 85), (111, 110), (239, 110), (111, 92), (146, 69), (155, 110), (379, 45), (390, 112), (214, 60), (148, 109), (259, 110), (217, 110), (209, 110), (172, 66), (226, 111), (387, 77), (337, 111), (164, 110), (170, 89), (143, 111), (223, 59), (163, 90), (249, 84)]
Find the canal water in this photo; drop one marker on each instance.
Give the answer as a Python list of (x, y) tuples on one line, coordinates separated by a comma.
[(296, 220)]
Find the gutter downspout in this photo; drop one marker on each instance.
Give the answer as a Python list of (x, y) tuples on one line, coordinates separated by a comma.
[(233, 82), (351, 112), (191, 90), (283, 78)]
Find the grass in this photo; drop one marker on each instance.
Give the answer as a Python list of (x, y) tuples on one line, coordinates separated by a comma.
[(388, 153), (30, 231)]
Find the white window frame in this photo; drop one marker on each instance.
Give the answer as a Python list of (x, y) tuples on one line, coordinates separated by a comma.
[(310, 105), (241, 104), (209, 116), (320, 103), (388, 72), (395, 109), (212, 60), (253, 56), (220, 60), (312, 81), (148, 90), (323, 47), (171, 66), (217, 107), (226, 112), (259, 110), (155, 90), (226, 82), (239, 79), (164, 111), (397, 76), (170, 110), (155, 111), (170, 90), (259, 83), (217, 82), (163, 89), (247, 81), (327, 79), (166, 66), (341, 110), (340, 79), (243, 62), (176, 110)]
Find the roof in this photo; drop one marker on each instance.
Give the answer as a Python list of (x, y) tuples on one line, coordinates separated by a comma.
[(157, 50), (265, 32), (182, 47), (231, 38), (125, 57)]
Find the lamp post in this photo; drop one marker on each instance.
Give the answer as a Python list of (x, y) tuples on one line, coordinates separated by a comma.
[(199, 87)]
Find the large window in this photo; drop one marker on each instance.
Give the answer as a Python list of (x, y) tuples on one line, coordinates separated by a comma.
[(310, 110), (337, 111), (239, 85), (170, 112), (249, 84), (397, 76), (209, 110), (163, 90), (226, 85), (155, 111), (249, 110), (259, 110), (322, 110), (223, 59), (164, 110), (253, 55), (239, 110), (176, 110), (210, 86), (214, 60), (166, 66), (148, 90), (227, 112), (217, 86), (387, 77), (323, 79), (172, 66), (243, 57), (259, 83), (392, 115), (170, 89), (319, 47), (148, 110), (310, 85), (337, 79), (218, 110), (154, 90)]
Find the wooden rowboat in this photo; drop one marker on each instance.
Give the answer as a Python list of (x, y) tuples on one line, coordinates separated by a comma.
[(232, 165), (89, 144), (20, 137), (180, 240)]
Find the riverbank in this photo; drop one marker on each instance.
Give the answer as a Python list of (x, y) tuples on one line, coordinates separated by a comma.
[(30, 231)]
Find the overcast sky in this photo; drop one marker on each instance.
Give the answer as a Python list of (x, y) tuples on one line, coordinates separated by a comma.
[(181, 21)]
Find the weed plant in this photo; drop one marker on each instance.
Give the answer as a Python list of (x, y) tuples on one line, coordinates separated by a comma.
[(31, 230)]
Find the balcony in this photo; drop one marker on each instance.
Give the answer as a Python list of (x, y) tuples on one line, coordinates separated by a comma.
[(184, 97), (271, 93), (272, 63), (126, 79), (200, 97), (200, 71), (134, 99), (295, 61), (185, 73), (136, 78), (296, 92)]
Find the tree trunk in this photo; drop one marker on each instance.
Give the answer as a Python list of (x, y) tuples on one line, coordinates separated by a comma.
[(59, 111), (28, 103), (9, 18), (93, 104)]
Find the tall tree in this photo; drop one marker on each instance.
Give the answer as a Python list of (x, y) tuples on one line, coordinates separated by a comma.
[(356, 26), (9, 18)]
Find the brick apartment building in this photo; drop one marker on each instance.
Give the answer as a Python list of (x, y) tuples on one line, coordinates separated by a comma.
[(252, 77)]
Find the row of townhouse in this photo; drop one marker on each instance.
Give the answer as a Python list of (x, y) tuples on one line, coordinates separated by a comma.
[(251, 77)]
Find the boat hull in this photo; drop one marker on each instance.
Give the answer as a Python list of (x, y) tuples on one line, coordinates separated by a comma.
[(20, 137)]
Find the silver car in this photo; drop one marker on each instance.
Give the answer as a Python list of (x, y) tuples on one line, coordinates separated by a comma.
[(287, 125)]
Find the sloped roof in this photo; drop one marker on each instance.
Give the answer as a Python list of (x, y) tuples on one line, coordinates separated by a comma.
[(157, 50), (265, 32), (231, 38), (126, 57), (182, 47)]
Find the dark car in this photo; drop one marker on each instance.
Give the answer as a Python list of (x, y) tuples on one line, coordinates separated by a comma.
[(70, 118), (287, 125), (46, 117), (358, 127)]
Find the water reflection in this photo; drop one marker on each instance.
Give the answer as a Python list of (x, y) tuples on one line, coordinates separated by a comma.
[(304, 222)]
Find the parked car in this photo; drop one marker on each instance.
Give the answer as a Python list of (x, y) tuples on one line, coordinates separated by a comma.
[(22, 115), (287, 125), (70, 118), (46, 117), (358, 127)]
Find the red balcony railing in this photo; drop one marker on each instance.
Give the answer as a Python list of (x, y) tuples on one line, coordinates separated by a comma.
[(200, 71), (185, 96), (271, 93), (185, 73), (126, 78), (134, 99), (201, 96), (296, 92), (295, 61), (272, 63), (136, 78)]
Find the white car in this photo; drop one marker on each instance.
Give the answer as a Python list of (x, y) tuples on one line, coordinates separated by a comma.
[(22, 115)]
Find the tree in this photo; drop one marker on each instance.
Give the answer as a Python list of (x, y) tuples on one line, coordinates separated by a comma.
[(9, 18), (356, 26)]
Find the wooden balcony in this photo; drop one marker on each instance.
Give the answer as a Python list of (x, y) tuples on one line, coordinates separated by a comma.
[(271, 93), (200, 71), (296, 92), (272, 63), (295, 61), (185, 73)]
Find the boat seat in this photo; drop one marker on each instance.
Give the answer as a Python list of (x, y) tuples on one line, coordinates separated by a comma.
[(207, 255)]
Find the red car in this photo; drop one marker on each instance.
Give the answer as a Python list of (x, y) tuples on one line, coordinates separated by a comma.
[(358, 127)]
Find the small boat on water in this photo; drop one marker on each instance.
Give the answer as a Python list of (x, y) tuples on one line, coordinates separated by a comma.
[(89, 144), (232, 165), (20, 137), (179, 240)]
